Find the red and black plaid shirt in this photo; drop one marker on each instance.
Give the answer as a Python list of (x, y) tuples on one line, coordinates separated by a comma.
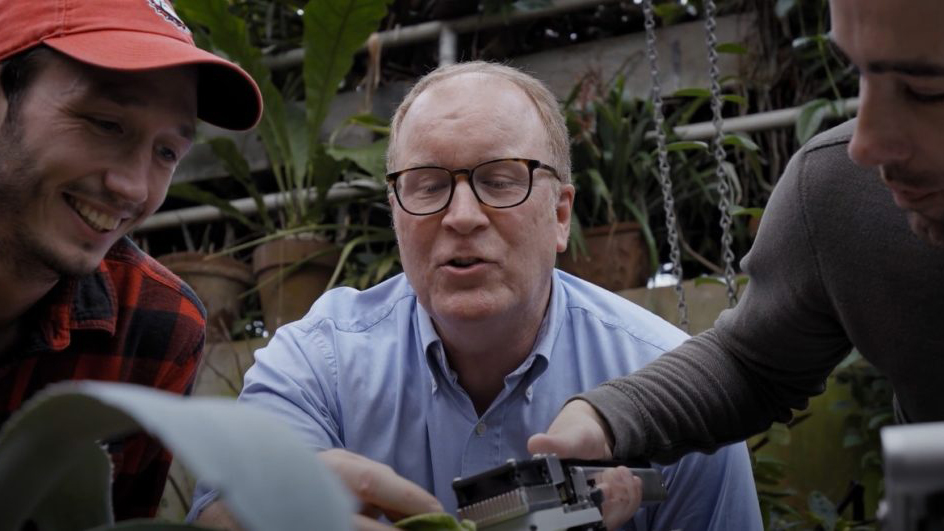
[(131, 321)]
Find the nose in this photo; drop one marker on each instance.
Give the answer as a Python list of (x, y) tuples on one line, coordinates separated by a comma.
[(127, 179), (879, 137), (464, 213)]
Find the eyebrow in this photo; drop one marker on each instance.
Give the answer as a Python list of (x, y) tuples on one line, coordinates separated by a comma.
[(906, 67)]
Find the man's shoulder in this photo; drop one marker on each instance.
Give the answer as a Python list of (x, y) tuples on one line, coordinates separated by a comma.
[(586, 302), (837, 137), (353, 310), (143, 283)]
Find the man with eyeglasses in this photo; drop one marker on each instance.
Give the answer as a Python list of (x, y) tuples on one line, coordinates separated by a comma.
[(445, 370)]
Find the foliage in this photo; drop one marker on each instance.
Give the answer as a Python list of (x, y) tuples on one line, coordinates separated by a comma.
[(50, 449), (303, 166), (615, 162)]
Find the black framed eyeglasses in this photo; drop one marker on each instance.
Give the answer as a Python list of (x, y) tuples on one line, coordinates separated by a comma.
[(501, 183)]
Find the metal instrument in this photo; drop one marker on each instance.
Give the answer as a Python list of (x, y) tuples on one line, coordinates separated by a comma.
[(544, 493)]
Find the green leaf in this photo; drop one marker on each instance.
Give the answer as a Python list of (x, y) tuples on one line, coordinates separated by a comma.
[(235, 163), (779, 434), (852, 439), (736, 99), (669, 12), (435, 522), (141, 524), (823, 509), (81, 497), (230, 38), (191, 192), (333, 32), (687, 145), (692, 93), (741, 141), (880, 420), (754, 212), (801, 42), (731, 47), (811, 118), (371, 158), (230, 446)]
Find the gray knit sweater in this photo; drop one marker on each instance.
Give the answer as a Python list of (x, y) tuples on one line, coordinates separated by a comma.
[(834, 265)]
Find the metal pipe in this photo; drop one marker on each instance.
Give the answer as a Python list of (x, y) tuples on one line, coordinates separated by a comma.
[(427, 31), (758, 122), (338, 193), (447, 46), (348, 191)]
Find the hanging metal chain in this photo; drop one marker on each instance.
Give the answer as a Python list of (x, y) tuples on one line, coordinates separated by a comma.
[(668, 200), (724, 187)]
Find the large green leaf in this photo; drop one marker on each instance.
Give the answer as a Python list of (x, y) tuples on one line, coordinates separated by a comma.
[(229, 37), (270, 480), (371, 158), (334, 31)]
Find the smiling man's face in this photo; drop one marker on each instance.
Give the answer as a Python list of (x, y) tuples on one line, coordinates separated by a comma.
[(898, 48), (471, 262), (87, 155)]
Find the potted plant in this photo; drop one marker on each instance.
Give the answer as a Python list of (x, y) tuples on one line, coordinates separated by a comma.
[(618, 208), (217, 279), (296, 256)]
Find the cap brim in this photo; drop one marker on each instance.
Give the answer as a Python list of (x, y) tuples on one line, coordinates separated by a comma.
[(226, 95)]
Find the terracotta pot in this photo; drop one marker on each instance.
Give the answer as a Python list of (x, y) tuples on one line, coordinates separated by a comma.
[(291, 273), (218, 282), (617, 257)]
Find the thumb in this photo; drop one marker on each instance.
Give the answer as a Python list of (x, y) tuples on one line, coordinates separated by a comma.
[(542, 443)]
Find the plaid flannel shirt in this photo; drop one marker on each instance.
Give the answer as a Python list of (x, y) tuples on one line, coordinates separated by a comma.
[(131, 321)]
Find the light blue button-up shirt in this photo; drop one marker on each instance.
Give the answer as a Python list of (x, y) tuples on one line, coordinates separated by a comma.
[(366, 371)]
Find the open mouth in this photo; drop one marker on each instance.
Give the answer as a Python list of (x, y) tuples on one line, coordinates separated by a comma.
[(463, 262), (98, 220)]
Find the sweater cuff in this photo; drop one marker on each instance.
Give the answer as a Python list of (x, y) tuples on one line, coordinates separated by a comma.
[(618, 410)]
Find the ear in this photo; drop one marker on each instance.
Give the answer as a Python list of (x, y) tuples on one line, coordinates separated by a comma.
[(563, 210)]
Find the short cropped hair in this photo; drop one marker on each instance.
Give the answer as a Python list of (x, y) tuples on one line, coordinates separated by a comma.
[(544, 101)]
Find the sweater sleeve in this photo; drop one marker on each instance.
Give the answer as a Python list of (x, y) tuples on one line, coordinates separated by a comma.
[(763, 358)]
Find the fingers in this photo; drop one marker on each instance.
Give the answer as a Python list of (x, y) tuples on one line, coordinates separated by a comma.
[(578, 431), (363, 523), (378, 486), (622, 495)]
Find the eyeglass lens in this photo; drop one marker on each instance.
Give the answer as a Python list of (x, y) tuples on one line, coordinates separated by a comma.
[(498, 184)]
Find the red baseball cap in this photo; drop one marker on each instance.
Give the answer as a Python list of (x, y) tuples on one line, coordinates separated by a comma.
[(132, 35)]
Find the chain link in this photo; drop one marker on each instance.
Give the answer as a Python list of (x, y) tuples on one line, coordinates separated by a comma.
[(725, 190), (665, 180)]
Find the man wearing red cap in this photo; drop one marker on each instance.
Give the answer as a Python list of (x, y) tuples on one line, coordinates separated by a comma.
[(99, 103)]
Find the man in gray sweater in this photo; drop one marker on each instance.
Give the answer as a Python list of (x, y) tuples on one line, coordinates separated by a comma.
[(850, 253)]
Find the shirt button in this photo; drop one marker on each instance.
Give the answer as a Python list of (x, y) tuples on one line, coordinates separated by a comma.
[(480, 428), (529, 392)]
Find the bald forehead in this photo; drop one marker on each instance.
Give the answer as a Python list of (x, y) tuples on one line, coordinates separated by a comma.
[(471, 92), (472, 116)]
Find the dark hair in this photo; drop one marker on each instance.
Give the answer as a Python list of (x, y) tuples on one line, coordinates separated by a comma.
[(18, 71)]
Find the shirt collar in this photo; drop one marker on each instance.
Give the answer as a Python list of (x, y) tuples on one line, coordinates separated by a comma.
[(543, 345), (87, 302)]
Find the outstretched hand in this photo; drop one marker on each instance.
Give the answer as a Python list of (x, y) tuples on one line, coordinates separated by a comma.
[(577, 432), (379, 489)]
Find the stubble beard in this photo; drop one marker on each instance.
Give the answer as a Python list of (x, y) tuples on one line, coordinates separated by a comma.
[(25, 252), (926, 225)]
